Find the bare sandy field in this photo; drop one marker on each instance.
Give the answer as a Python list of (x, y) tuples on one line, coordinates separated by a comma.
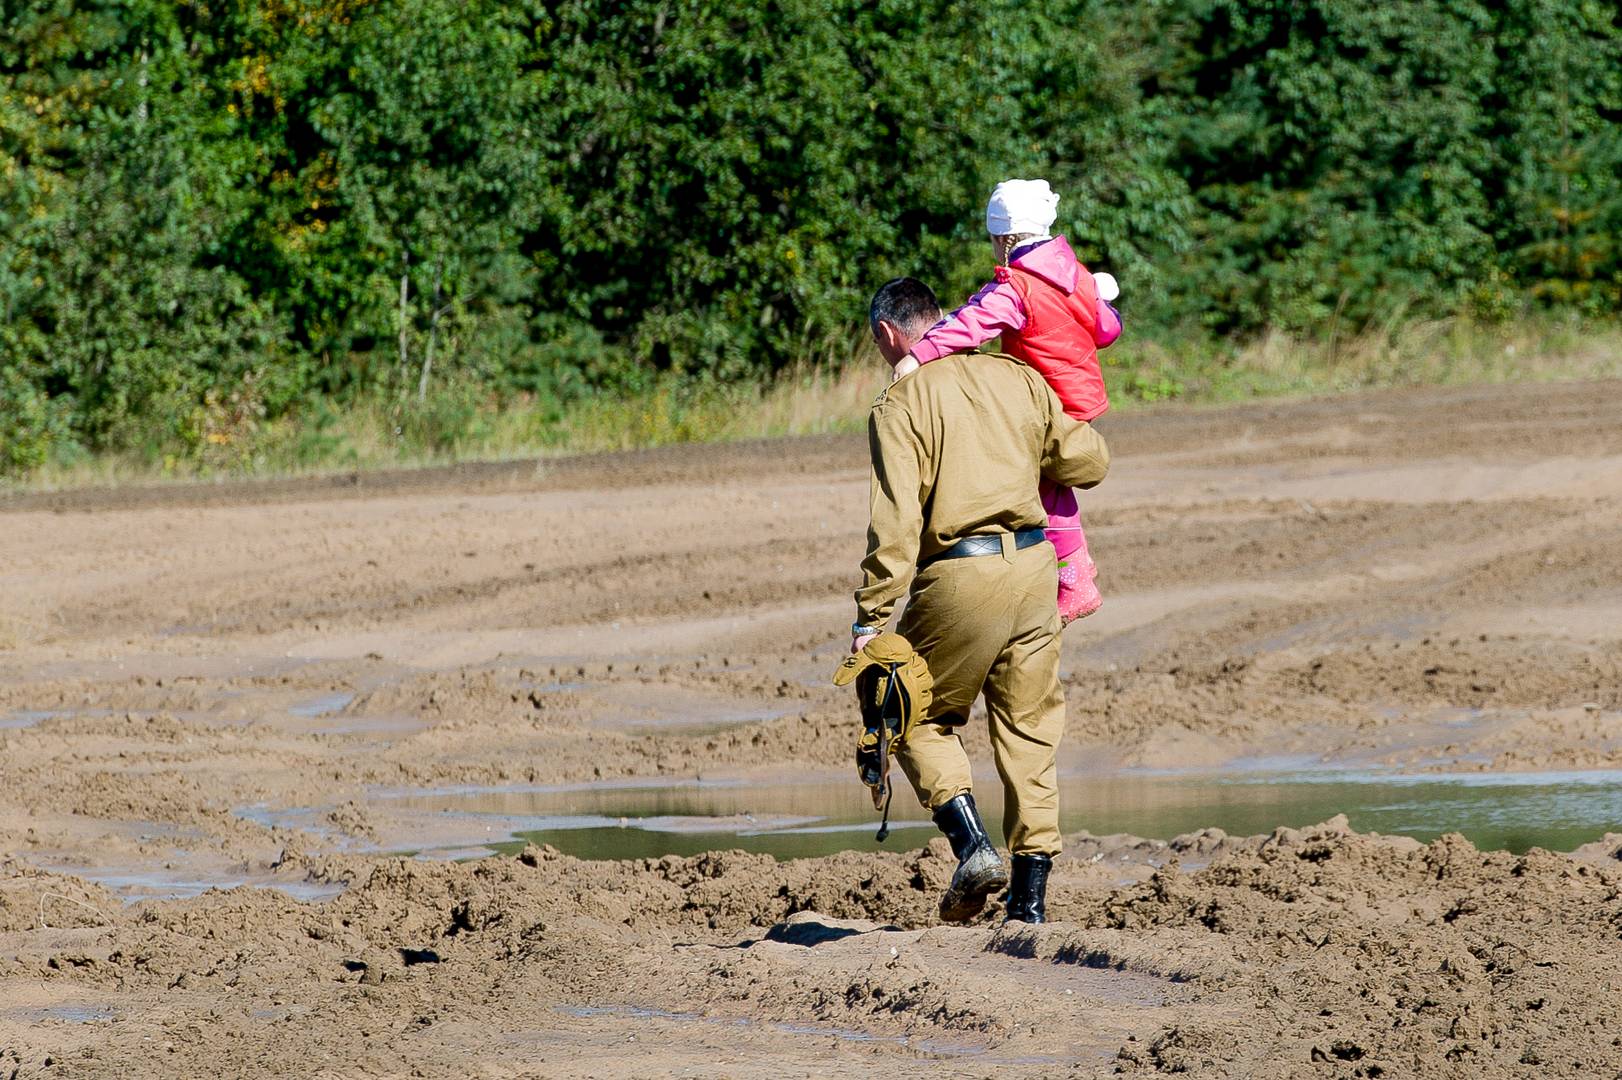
[(213, 697)]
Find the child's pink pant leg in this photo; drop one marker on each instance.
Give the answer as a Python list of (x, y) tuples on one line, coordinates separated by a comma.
[(1064, 519)]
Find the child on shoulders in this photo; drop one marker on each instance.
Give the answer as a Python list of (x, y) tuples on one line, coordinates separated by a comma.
[(1055, 315)]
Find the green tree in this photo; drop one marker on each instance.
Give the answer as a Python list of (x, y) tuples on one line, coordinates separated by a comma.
[(116, 307), (1336, 150), (398, 141), (212, 213), (1559, 176)]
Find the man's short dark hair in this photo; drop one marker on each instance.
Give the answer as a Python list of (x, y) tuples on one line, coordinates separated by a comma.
[(903, 302)]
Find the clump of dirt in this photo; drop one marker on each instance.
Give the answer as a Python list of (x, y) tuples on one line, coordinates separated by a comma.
[(1289, 952), (33, 899), (352, 819), (1398, 957)]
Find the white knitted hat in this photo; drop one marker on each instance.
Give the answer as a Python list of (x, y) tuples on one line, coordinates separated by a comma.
[(1021, 206)]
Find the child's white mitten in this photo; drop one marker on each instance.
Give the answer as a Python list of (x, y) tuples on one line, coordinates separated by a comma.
[(1108, 289)]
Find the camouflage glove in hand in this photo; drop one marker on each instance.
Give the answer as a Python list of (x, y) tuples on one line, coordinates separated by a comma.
[(893, 688)]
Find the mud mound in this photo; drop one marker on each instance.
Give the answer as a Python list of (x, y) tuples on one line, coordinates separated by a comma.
[(31, 899), (1289, 953), (1383, 958)]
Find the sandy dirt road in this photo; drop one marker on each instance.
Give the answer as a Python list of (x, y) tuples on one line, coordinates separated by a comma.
[(213, 685)]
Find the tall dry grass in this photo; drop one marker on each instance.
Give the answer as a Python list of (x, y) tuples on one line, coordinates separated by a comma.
[(833, 397), (1436, 353), (806, 402)]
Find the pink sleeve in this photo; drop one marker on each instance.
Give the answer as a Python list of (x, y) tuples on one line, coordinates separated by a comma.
[(995, 308), (1108, 326)]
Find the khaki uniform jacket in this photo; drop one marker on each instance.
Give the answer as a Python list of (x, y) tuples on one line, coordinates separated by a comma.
[(957, 447)]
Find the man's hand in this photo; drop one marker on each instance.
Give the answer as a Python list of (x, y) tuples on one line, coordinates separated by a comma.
[(858, 642)]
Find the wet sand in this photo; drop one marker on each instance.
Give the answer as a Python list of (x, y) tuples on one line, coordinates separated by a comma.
[(218, 685)]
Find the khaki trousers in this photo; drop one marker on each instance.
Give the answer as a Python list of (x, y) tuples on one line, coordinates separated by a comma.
[(991, 622)]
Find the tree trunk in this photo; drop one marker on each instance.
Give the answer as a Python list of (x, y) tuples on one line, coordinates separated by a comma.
[(405, 293), (142, 80), (433, 338)]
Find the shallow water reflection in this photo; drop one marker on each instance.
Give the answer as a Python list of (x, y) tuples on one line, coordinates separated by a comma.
[(1559, 811)]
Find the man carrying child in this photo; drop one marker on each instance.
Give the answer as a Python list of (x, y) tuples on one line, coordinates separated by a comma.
[(959, 449)]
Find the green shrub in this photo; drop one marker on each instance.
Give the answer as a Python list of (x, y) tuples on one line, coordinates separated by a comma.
[(214, 217)]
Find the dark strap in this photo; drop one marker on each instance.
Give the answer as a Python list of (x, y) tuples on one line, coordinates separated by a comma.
[(985, 544)]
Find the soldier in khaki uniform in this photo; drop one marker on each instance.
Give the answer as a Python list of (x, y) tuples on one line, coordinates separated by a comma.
[(958, 449)]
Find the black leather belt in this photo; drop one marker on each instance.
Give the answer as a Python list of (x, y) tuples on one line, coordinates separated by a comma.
[(985, 544)]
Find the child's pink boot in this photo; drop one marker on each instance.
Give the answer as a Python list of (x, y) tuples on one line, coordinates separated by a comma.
[(1078, 596), (1078, 592)]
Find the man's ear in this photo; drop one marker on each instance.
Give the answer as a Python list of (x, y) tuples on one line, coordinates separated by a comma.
[(891, 340)]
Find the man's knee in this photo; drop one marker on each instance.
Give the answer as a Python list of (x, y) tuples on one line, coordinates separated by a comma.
[(933, 758)]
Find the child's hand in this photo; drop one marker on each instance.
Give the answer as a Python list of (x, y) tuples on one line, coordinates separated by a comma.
[(905, 366), (1108, 288)]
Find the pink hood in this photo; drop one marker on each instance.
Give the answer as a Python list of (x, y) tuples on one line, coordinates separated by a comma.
[(998, 307), (1054, 262)]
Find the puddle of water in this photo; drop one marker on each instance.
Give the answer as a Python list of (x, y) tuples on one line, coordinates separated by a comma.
[(323, 705), (68, 1014), (938, 1047), (133, 885), (328, 712), (1513, 812), (461, 854), (372, 725), (555, 687), (429, 795), (79, 1014), (312, 819), (23, 718), (651, 818)]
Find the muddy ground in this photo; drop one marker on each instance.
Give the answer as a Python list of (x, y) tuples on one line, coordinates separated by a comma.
[(215, 685)]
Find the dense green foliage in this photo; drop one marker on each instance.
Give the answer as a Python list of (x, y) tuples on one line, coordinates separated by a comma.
[(216, 212)]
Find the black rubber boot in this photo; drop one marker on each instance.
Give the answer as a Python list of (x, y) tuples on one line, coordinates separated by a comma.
[(1028, 895), (980, 871)]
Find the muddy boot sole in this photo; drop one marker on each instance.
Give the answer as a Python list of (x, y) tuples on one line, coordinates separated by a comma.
[(977, 877)]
